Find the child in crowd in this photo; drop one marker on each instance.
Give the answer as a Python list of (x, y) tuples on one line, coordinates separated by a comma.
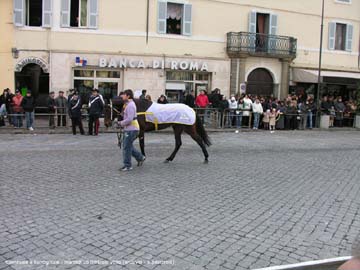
[(332, 116), (272, 120), (266, 119)]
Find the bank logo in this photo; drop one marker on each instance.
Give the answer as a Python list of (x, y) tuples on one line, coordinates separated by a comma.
[(80, 61)]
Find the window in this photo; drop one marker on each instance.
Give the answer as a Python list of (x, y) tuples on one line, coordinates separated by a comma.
[(174, 18), (37, 13), (178, 81), (34, 12), (79, 13), (107, 81), (340, 36)]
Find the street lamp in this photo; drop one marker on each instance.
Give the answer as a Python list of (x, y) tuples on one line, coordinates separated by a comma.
[(320, 59)]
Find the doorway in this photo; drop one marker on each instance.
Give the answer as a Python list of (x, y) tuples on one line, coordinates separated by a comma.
[(260, 83), (34, 79)]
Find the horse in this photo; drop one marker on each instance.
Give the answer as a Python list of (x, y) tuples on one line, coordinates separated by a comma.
[(196, 131)]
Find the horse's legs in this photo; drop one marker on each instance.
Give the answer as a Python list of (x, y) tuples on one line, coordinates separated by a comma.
[(192, 132), (142, 141), (178, 129)]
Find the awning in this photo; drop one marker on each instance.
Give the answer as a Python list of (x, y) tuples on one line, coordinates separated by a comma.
[(311, 75)]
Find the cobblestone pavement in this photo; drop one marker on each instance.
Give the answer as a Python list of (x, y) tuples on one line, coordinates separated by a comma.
[(263, 200)]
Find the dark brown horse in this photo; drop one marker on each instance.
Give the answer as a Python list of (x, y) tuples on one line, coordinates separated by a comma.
[(196, 131)]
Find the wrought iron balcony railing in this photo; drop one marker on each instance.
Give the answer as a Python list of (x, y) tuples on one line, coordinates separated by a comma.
[(244, 43)]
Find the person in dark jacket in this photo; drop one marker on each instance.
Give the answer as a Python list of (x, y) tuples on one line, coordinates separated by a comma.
[(7, 97), (61, 107), (51, 109), (190, 99), (28, 105), (75, 113), (96, 106)]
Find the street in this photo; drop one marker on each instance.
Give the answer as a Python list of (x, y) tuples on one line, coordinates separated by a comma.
[(263, 200)]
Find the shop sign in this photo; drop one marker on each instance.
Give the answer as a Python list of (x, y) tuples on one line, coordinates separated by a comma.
[(32, 60), (155, 64)]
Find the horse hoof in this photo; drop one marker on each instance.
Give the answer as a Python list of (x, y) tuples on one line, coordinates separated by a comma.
[(206, 161), (166, 161)]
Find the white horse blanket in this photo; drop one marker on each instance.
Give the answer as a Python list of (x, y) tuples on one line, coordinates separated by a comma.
[(175, 113)]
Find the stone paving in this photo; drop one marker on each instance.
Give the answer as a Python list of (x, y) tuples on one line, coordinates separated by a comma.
[(263, 200)]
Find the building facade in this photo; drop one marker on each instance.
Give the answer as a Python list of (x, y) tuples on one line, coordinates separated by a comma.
[(169, 46)]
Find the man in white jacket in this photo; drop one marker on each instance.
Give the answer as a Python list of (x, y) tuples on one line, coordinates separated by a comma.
[(257, 110)]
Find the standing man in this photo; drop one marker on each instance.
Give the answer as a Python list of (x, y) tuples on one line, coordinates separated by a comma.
[(61, 105), (28, 105), (52, 108), (75, 113), (143, 94), (190, 99), (17, 109), (96, 106), (8, 96), (131, 131)]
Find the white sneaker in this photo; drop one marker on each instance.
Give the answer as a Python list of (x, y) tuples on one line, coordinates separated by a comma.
[(31, 128)]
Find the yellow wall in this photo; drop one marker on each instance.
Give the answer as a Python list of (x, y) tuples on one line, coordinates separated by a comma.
[(6, 43), (122, 27)]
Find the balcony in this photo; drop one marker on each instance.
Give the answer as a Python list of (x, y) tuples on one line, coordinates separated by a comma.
[(254, 44)]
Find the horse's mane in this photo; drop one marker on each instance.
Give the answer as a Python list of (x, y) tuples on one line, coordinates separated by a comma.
[(142, 104)]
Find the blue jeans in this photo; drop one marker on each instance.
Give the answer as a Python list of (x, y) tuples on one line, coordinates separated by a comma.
[(3, 110), (29, 116), (18, 119), (256, 119), (238, 119), (309, 119), (129, 150)]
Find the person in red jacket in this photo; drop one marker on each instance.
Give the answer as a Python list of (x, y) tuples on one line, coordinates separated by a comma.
[(202, 100), (17, 109)]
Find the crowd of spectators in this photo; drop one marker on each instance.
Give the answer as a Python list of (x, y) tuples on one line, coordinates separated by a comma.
[(293, 112)]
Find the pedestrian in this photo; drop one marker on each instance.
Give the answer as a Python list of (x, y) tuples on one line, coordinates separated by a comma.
[(148, 97), (272, 120), (257, 110), (143, 94), (51, 109), (162, 100), (190, 99), (131, 131), (339, 108), (75, 113), (202, 102), (61, 108), (311, 109), (28, 105), (332, 114), (7, 96), (17, 109), (266, 119), (224, 106), (96, 106), (3, 113)]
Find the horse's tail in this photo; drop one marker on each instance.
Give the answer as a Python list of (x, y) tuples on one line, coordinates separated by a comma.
[(201, 131)]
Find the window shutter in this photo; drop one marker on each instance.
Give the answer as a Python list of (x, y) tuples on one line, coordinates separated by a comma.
[(252, 22), (162, 13), (65, 13), (272, 31), (252, 30), (47, 13), (187, 20), (273, 24), (332, 32), (349, 37), (19, 14), (93, 14)]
